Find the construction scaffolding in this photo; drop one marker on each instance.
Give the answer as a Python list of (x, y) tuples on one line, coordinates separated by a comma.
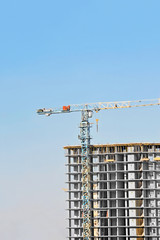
[(124, 191)]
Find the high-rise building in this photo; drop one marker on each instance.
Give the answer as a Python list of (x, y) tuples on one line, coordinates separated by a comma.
[(124, 191)]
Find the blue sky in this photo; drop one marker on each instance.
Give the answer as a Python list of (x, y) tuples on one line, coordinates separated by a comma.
[(55, 53)]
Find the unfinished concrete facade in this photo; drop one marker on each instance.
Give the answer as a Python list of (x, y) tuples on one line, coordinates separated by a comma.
[(125, 191)]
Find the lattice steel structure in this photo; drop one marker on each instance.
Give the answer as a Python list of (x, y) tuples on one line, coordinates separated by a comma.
[(124, 191), (85, 160)]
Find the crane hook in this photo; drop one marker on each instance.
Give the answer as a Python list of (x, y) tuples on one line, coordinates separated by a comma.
[(97, 123)]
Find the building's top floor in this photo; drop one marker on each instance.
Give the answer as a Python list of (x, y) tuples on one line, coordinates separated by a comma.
[(117, 148)]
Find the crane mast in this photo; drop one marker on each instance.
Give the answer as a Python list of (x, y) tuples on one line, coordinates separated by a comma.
[(85, 159), (86, 113)]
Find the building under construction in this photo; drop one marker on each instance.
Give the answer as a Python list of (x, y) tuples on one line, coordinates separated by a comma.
[(124, 191)]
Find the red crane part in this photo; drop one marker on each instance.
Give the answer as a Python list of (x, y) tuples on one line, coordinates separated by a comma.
[(66, 108)]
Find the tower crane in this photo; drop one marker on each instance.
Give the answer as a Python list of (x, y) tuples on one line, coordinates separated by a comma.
[(86, 113)]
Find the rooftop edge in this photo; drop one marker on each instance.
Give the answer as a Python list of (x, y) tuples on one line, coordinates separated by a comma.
[(113, 145)]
